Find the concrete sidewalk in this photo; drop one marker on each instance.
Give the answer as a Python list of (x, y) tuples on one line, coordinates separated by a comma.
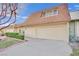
[(37, 47)]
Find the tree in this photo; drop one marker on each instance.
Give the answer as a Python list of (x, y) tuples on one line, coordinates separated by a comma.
[(7, 14)]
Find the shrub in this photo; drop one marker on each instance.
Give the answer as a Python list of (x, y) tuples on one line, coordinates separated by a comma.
[(20, 37), (15, 35)]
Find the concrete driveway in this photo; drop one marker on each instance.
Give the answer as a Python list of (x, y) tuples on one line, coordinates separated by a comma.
[(37, 47)]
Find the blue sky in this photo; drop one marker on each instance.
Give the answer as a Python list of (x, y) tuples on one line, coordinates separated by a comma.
[(28, 9)]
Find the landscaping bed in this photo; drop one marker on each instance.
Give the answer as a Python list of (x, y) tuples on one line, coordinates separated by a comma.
[(15, 35), (8, 42), (9, 39)]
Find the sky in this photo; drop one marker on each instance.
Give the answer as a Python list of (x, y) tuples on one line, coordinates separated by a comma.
[(28, 9)]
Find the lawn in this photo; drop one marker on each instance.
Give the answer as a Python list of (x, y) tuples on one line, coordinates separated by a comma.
[(8, 42), (75, 52)]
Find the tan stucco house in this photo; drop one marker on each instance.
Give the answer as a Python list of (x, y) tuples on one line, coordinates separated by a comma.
[(49, 24), (56, 23)]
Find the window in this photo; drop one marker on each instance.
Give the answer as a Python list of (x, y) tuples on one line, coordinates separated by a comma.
[(51, 13), (55, 12), (47, 14)]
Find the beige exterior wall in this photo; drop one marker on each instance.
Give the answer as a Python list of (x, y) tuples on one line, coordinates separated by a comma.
[(17, 30), (51, 31), (20, 30), (31, 32), (8, 30)]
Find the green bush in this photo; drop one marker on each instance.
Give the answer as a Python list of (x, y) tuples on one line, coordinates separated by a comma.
[(14, 35), (19, 37), (75, 52), (11, 34)]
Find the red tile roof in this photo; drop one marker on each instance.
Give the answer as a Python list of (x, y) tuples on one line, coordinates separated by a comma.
[(37, 17)]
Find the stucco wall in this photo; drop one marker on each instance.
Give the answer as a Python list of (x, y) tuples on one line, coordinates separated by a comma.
[(30, 32), (50, 31), (20, 30), (8, 30)]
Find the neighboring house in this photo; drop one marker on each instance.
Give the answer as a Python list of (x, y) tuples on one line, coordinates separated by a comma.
[(74, 26), (48, 24), (9, 29)]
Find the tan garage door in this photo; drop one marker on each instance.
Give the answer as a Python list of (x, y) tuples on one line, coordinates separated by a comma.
[(55, 32)]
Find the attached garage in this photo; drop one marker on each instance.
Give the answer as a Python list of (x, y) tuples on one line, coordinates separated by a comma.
[(56, 31)]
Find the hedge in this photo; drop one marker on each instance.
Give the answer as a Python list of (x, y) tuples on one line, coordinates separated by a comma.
[(14, 35)]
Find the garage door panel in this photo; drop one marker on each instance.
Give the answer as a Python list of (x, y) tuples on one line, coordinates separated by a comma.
[(54, 32), (57, 32)]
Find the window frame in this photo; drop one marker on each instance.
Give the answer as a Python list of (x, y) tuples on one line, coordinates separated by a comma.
[(50, 13)]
